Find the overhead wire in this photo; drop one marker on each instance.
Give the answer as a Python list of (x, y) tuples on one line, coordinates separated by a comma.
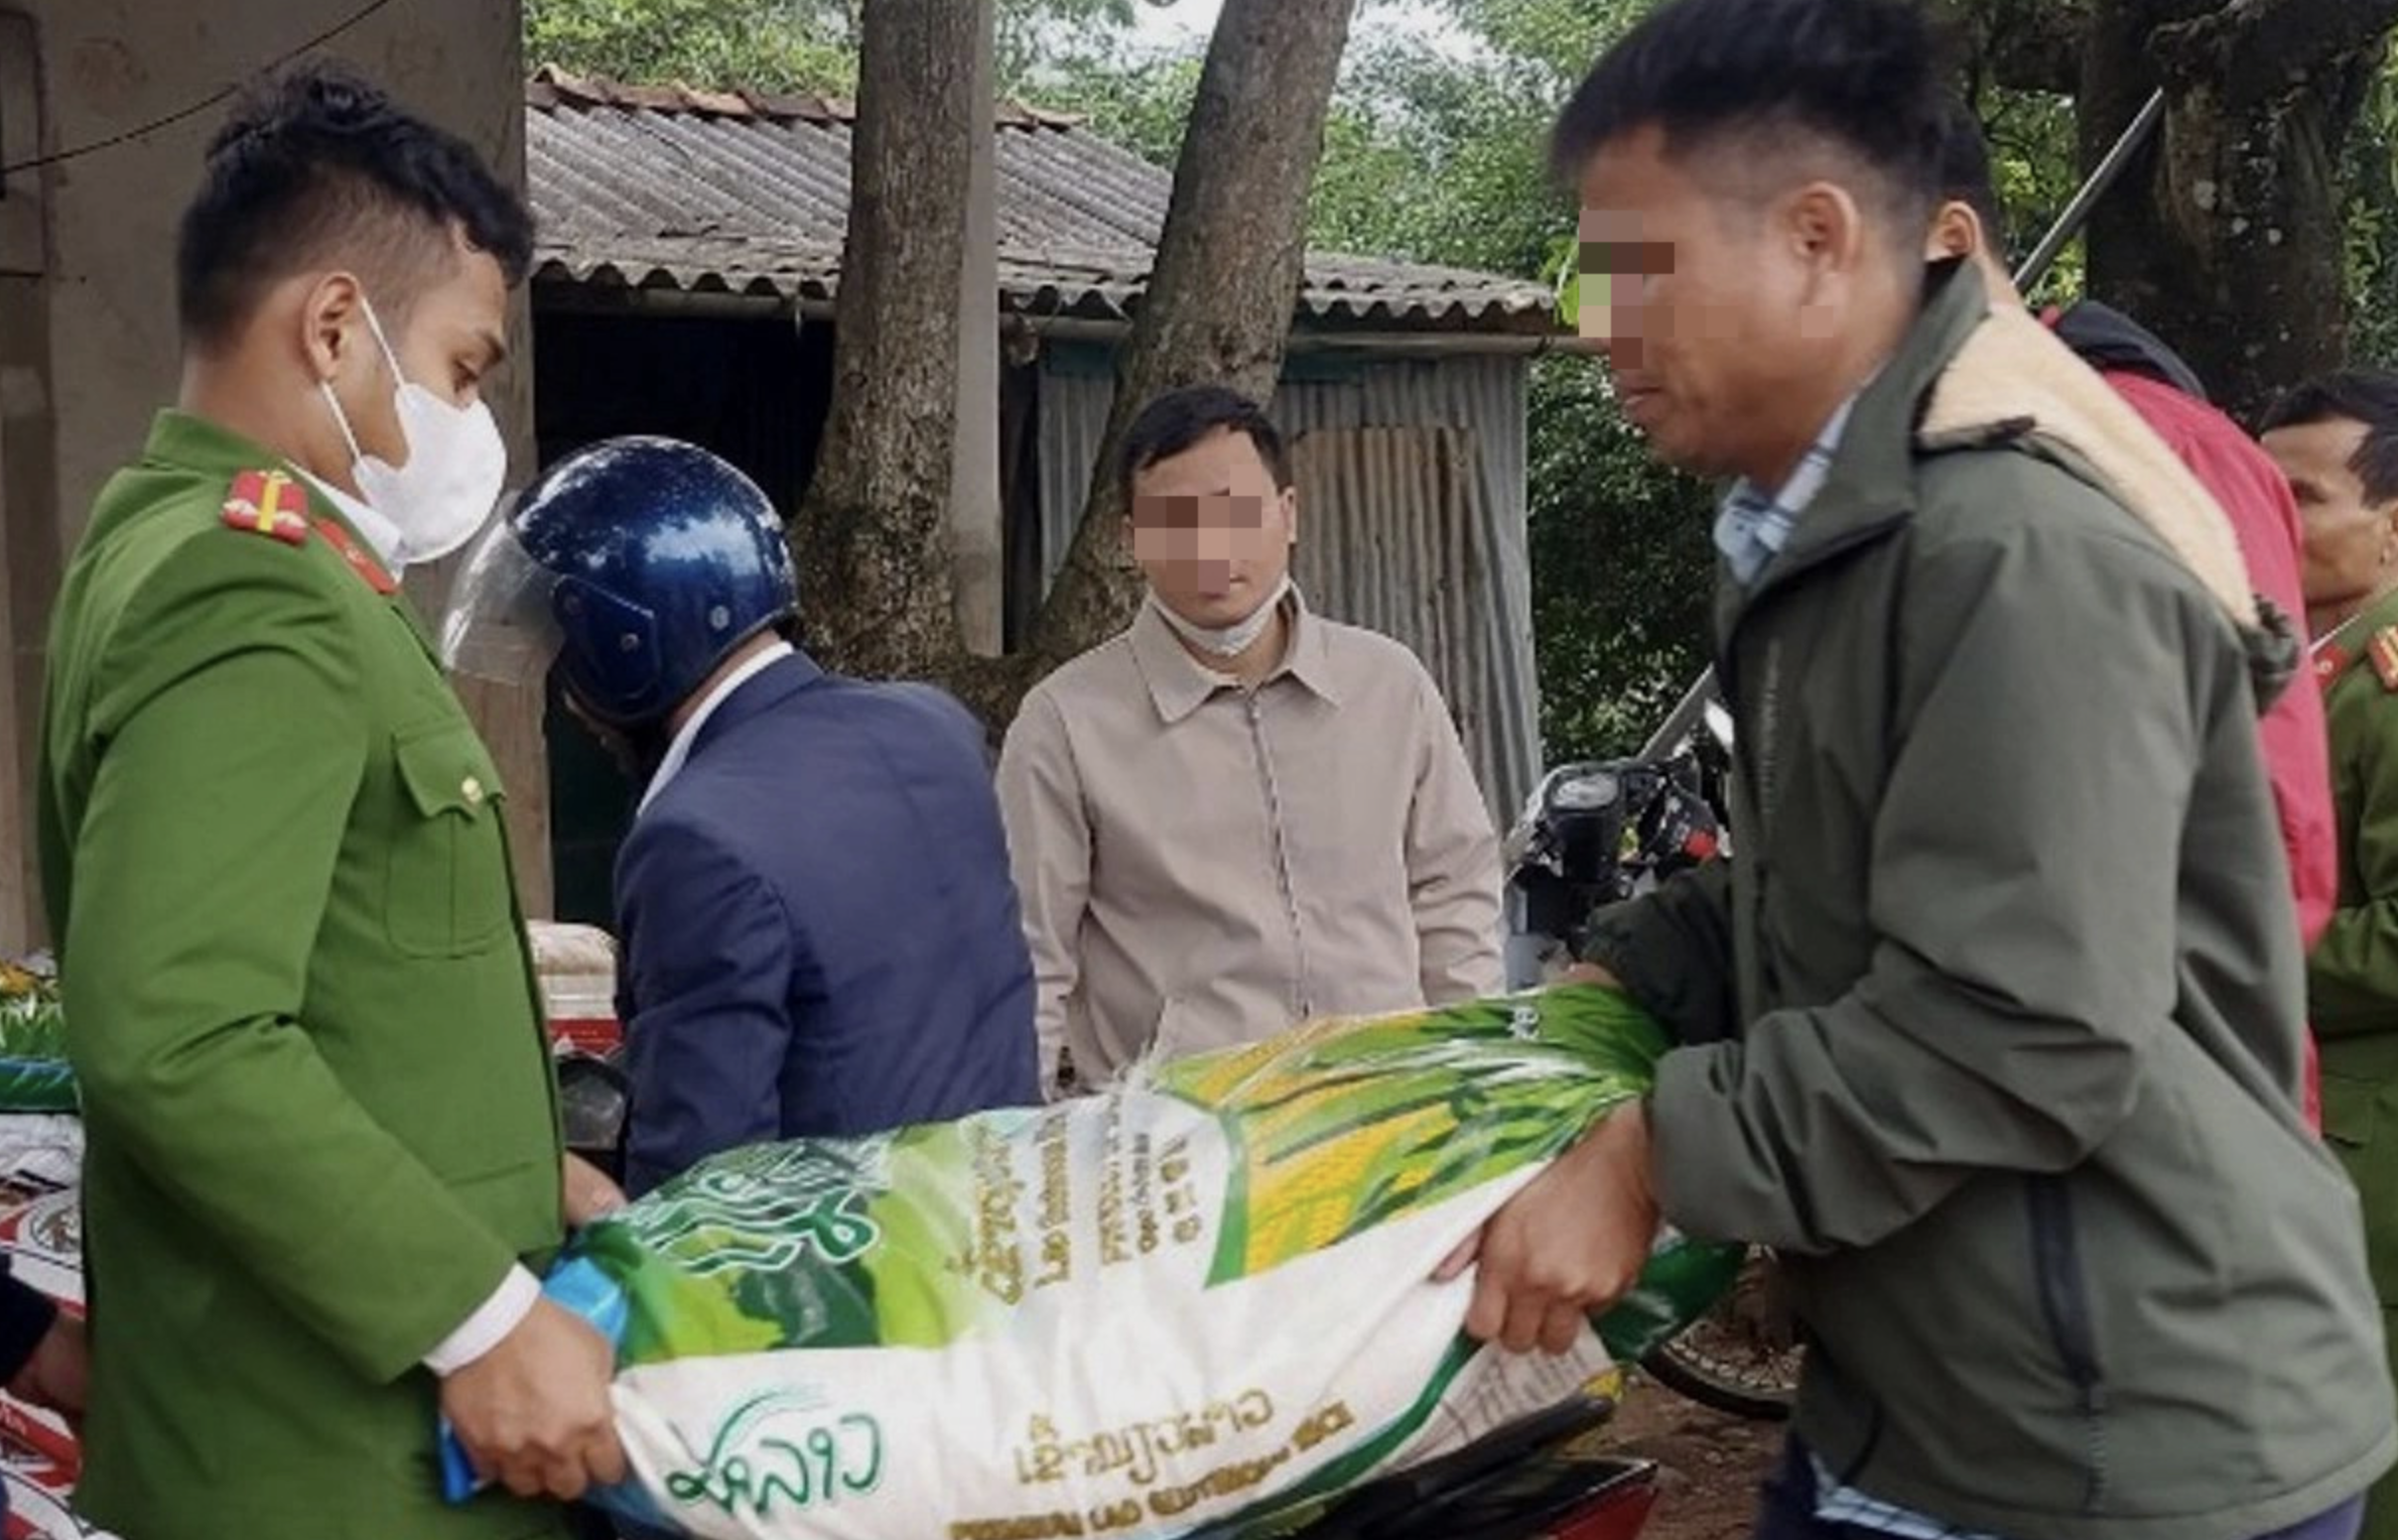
[(78, 152)]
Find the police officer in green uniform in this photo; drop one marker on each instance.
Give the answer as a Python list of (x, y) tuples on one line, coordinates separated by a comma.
[(2337, 439), (324, 1146)]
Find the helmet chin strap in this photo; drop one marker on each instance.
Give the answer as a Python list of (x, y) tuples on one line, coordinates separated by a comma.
[(1226, 641)]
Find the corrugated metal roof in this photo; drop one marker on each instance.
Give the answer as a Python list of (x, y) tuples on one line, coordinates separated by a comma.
[(748, 193)]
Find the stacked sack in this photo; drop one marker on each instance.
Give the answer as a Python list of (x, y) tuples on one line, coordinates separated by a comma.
[(577, 964)]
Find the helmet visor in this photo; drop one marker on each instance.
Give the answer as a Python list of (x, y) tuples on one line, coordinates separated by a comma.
[(499, 624)]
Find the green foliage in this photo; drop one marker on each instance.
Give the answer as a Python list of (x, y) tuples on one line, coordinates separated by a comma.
[(2372, 225), (2033, 164), (1436, 152), (1031, 33), (1439, 158), (1560, 37), (1142, 101), (764, 44), (781, 45), (1622, 568)]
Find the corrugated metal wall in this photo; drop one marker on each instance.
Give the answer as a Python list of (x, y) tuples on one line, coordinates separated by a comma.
[(1451, 579), (1393, 537)]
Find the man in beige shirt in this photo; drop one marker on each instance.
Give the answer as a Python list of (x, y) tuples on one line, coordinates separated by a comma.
[(1236, 815)]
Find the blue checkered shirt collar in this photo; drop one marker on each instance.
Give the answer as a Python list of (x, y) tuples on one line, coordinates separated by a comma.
[(1753, 527)]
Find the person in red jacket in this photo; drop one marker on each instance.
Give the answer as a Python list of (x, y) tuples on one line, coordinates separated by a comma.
[(2253, 492)]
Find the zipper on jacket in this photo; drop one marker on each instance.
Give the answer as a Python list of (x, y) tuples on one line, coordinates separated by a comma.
[(1302, 984), (1754, 762), (2064, 1302), (1768, 731)]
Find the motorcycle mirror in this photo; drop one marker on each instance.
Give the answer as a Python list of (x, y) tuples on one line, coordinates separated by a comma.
[(1719, 723), (1586, 792)]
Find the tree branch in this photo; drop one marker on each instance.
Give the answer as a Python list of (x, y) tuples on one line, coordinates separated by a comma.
[(2256, 49)]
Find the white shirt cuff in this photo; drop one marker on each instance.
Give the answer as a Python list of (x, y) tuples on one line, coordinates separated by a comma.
[(491, 1324)]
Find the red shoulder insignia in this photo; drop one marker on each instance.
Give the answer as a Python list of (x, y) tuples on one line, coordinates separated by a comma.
[(268, 502), (356, 555), (2330, 664), (2383, 649)]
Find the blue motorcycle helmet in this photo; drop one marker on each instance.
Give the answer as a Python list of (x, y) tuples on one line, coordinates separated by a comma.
[(639, 563)]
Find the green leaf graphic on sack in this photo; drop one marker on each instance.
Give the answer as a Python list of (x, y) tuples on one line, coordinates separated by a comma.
[(768, 1211)]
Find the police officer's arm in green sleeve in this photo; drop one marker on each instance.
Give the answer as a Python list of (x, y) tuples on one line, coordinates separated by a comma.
[(1672, 950), (199, 880), (2352, 976)]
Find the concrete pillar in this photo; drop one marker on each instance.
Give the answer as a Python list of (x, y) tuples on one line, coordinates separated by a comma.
[(28, 527), (17, 875), (975, 504)]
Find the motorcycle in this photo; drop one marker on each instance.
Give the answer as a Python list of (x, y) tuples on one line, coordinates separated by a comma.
[(1545, 1478), (1599, 833), (1596, 834)]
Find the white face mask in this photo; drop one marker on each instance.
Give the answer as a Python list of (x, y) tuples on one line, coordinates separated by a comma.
[(445, 488), (1227, 641)]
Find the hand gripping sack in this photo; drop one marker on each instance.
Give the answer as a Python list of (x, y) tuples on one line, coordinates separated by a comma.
[(1202, 1298)]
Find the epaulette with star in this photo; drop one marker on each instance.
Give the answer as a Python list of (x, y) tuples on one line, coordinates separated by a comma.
[(268, 502), (2384, 650)]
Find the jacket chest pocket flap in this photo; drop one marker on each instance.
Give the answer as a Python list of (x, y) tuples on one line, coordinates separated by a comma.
[(449, 891)]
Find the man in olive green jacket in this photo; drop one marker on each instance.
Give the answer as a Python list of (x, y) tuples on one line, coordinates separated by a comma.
[(2337, 439), (323, 1132), (1993, 1025)]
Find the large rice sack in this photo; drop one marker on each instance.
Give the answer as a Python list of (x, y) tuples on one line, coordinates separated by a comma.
[(1203, 1297)]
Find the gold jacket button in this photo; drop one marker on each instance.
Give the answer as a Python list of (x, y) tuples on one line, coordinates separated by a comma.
[(472, 789)]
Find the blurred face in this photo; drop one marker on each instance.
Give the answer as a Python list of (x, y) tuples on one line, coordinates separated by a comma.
[(1723, 316), (1211, 530), (2351, 542)]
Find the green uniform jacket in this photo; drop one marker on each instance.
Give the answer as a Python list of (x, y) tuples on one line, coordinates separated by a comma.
[(2352, 977), (1996, 1023), (321, 1114)]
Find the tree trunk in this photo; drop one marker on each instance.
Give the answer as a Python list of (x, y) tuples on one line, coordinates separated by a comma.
[(877, 576), (877, 588), (1226, 283), (2235, 254)]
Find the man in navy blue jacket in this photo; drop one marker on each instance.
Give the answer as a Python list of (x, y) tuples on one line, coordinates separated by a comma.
[(820, 933)]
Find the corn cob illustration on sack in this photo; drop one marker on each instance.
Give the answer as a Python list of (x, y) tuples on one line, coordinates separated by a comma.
[(1204, 1298), (34, 1072)]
